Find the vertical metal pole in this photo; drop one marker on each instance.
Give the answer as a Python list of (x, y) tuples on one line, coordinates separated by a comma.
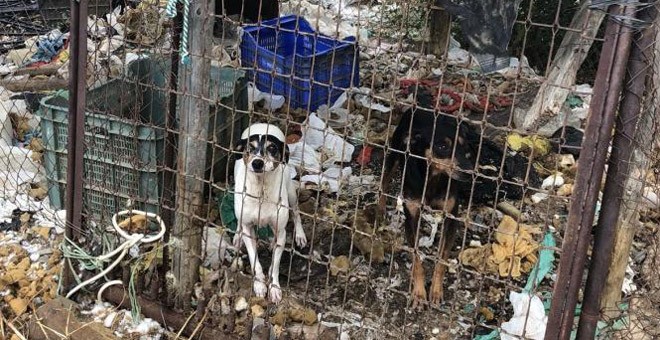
[(75, 147), (598, 132), (169, 189), (191, 161), (617, 174)]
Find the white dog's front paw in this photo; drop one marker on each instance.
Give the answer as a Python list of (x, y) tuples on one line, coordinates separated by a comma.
[(301, 239), (259, 288), (275, 294)]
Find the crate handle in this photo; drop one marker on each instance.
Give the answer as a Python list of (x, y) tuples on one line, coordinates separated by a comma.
[(98, 130)]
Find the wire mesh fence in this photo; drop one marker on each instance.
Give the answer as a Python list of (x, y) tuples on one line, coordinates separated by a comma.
[(414, 180)]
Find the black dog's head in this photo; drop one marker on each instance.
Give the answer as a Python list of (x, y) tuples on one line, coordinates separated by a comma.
[(442, 141), (263, 147), (445, 148)]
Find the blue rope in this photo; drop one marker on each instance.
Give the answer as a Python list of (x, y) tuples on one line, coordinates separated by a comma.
[(170, 11)]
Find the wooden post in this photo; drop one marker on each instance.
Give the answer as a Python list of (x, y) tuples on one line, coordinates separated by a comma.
[(191, 159), (563, 70), (640, 165), (439, 26)]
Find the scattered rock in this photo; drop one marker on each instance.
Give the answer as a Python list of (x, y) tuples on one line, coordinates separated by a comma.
[(18, 306), (241, 304), (257, 311), (565, 190), (553, 181)]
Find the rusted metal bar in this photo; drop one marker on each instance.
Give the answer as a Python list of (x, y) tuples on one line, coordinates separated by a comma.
[(169, 161), (618, 171), (165, 316), (577, 236), (75, 147)]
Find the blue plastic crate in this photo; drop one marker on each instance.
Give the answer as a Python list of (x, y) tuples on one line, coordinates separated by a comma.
[(286, 56)]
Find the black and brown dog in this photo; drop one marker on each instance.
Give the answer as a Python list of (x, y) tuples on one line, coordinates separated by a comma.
[(437, 155)]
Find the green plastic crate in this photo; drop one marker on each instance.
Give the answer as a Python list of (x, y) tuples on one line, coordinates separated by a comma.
[(124, 136), (121, 157)]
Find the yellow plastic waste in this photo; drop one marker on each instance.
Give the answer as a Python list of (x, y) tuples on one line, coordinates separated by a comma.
[(540, 145), (512, 254)]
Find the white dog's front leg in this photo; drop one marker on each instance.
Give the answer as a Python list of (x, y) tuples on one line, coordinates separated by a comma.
[(299, 233), (275, 292), (250, 241), (238, 236)]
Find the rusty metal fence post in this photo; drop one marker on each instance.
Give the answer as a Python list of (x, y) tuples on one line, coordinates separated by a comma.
[(77, 84), (618, 173), (591, 165)]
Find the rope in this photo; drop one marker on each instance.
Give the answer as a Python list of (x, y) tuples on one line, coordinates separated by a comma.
[(131, 240), (170, 11)]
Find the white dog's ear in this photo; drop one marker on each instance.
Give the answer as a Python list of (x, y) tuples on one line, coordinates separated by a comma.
[(239, 148), (286, 153)]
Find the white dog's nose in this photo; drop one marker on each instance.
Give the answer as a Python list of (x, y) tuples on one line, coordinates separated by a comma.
[(258, 165)]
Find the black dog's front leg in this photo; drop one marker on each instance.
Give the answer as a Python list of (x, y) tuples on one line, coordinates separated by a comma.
[(412, 210)]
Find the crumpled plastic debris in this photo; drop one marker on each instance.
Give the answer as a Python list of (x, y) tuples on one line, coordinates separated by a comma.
[(319, 148), (538, 197), (330, 179), (529, 319), (303, 156), (513, 253), (518, 66), (363, 98), (540, 145), (541, 269), (629, 285), (48, 47), (335, 116), (434, 220), (97, 27), (460, 57), (324, 20), (271, 101)]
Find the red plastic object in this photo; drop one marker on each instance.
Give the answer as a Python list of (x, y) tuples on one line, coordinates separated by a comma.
[(365, 155)]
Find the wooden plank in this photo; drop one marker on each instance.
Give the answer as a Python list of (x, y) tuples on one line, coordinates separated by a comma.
[(57, 319), (34, 85), (191, 159), (562, 72)]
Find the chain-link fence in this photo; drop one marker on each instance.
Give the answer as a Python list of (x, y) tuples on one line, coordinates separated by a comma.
[(418, 177)]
